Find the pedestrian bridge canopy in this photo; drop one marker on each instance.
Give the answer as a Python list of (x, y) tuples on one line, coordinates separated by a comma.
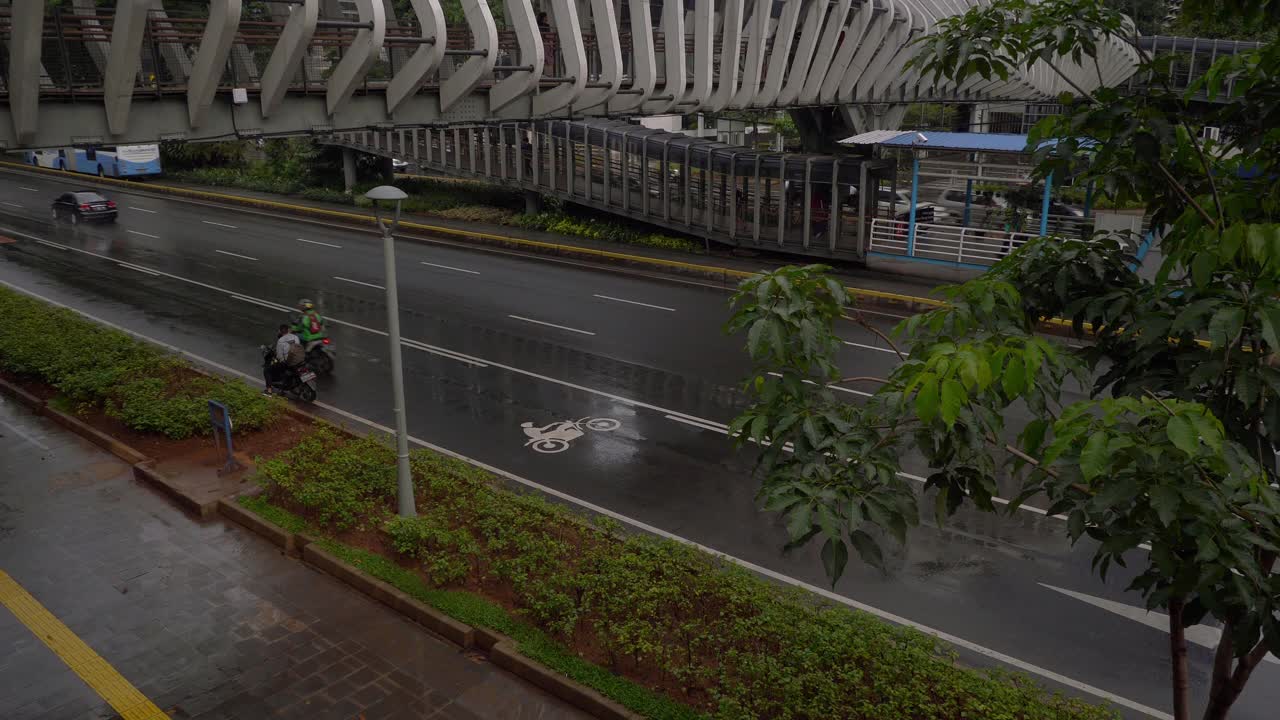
[(139, 71)]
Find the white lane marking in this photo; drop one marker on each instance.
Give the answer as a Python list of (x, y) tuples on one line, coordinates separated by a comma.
[(766, 572), (697, 424), (29, 189), (52, 245), (357, 282), (446, 267), (210, 222), (25, 436), (153, 212), (138, 268), (561, 327), (317, 242), (851, 391), (135, 232), (416, 345), (263, 303), (634, 302), (1202, 635), (12, 204), (870, 347), (237, 255)]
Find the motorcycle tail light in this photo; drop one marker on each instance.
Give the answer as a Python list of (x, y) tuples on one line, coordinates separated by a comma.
[(325, 341)]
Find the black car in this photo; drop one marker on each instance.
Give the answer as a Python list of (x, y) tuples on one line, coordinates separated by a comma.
[(84, 206)]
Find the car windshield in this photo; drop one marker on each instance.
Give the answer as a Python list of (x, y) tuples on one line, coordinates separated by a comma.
[(89, 197)]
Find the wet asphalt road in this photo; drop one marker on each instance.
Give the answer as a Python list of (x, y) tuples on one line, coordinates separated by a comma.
[(496, 341)]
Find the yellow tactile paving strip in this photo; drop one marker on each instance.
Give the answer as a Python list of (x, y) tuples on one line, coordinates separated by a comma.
[(83, 661)]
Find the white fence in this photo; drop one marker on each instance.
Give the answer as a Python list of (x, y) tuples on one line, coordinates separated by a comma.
[(946, 243)]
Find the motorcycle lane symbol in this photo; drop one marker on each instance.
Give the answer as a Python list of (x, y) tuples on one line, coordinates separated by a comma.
[(556, 437)]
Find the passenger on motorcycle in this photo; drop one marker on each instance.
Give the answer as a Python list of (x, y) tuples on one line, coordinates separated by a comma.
[(288, 356), (310, 325)]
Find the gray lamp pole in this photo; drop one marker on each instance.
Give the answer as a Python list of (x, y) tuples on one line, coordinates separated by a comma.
[(404, 479)]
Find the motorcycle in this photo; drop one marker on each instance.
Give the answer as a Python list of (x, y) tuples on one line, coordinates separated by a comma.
[(319, 357), (297, 382)]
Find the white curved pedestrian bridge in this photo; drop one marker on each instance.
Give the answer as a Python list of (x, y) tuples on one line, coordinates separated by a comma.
[(146, 70)]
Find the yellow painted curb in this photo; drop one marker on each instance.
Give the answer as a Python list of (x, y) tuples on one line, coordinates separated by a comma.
[(909, 302)]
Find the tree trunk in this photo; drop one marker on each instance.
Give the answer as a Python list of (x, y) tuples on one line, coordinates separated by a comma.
[(1222, 698), (1220, 695), (1178, 656)]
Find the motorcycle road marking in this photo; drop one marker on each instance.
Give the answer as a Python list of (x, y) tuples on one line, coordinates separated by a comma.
[(12, 204), (447, 267), (53, 245), (561, 327), (135, 232), (641, 525), (357, 282), (833, 387), (210, 222), (238, 255), (317, 242), (555, 437), (634, 302), (24, 187)]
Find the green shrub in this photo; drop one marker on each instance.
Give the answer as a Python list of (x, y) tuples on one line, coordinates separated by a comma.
[(343, 484), (136, 382), (742, 647), (559, 222)]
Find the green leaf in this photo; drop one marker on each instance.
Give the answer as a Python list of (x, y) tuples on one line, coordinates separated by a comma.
[(1166, 499), (835, 555), (868, 549), (1183, 435), (799, 521), (927, 400), (1013, 379), (1208, 549), (1202, 269), (1093, 458), (1269, 319), (1225, 325), (953, 397)]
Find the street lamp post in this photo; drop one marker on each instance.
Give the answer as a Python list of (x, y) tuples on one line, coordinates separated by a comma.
[(404, 478)]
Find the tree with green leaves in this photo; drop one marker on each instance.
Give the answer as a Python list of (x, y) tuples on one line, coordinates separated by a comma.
[(1170, 460)]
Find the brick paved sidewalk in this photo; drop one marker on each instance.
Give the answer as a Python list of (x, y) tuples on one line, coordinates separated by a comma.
[(208, 621)]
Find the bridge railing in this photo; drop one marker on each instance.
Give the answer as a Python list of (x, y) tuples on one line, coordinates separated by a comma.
[(944, 243)]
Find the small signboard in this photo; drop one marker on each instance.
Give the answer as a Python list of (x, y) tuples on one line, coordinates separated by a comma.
[(220, 418)]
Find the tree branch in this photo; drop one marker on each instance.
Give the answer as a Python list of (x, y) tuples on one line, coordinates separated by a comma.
[(1178, 654), (863, 322)]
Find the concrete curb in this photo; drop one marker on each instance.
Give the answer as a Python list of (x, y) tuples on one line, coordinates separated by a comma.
[(22, 396), (95, 436), (725, 276), (500, 649), (146, 472)]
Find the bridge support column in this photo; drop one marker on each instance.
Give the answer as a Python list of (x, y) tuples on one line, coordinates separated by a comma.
[(348, 169), (387, 171)]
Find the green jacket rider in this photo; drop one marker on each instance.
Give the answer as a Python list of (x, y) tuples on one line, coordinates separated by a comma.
[(310, 325)]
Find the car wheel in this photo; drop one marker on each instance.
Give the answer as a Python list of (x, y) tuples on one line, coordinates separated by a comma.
[(75, 218)]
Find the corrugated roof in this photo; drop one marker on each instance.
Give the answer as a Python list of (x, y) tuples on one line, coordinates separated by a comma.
[(977, 142), (873, 137)]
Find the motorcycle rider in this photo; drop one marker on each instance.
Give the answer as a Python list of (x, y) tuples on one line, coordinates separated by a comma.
[(310, 325), (287, 356)]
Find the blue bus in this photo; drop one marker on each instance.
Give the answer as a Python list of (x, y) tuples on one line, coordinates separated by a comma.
[(117, 161)]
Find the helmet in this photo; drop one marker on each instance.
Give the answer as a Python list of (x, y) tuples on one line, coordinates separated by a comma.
[(306, 304)]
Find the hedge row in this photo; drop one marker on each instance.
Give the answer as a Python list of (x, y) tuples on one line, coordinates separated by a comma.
[(92, 366), (700, 632)]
